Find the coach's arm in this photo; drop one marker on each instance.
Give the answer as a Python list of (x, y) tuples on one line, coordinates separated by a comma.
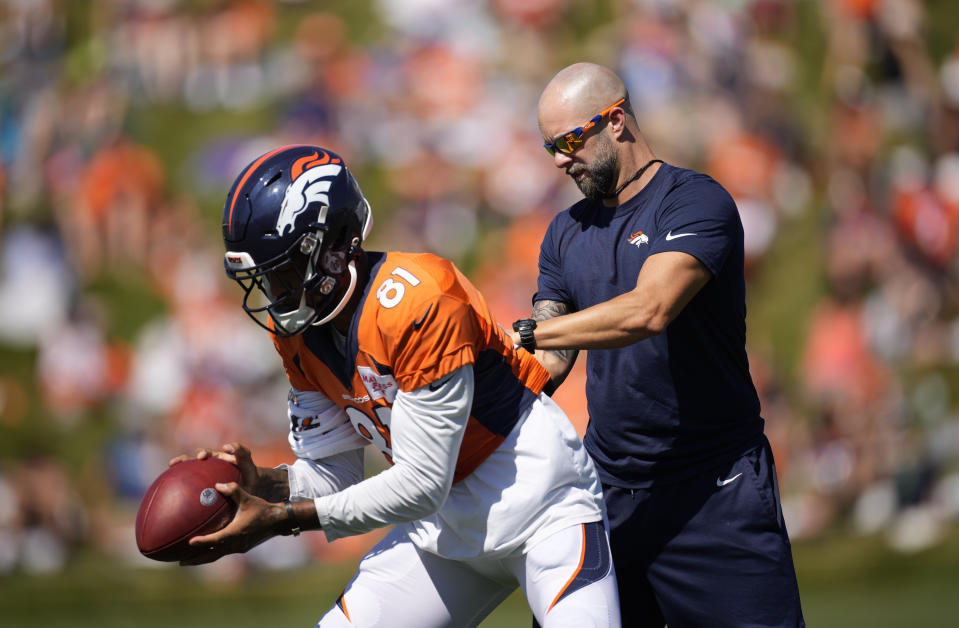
[(666, 283)]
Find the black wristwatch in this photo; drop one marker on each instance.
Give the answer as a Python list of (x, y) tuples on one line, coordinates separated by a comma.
[(524, 327)]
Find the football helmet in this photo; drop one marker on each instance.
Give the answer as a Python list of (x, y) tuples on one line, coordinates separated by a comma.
[(293, 224)]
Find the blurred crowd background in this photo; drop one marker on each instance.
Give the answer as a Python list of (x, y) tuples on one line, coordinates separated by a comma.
[(834, 123)]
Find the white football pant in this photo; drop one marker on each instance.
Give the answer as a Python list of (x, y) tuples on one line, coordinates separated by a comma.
[(568, 580)]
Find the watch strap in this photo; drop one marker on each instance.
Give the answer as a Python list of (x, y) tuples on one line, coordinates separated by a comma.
[(524, 327)]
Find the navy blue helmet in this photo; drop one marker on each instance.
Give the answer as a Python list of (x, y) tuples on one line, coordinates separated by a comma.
[(293, 224)]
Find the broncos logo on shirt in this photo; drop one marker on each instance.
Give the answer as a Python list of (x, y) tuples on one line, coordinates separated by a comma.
[(419, 320)]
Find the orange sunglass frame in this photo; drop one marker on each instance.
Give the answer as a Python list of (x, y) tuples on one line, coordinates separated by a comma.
[(571, 140)]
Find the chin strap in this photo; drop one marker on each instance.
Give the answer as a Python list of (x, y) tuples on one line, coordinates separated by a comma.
[(638, 174)]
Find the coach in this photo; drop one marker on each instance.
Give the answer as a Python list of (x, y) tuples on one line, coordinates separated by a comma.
[(646, 272)]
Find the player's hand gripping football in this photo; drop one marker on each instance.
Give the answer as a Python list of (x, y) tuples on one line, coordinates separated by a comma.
[(235, 454), (256, 519)]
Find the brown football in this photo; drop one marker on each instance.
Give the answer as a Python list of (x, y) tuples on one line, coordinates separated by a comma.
[(182, 503)]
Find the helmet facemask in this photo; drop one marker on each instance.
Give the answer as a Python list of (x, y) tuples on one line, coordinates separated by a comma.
[(309, 284)]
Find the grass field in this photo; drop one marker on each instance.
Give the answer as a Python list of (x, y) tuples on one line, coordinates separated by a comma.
[(846, 582)]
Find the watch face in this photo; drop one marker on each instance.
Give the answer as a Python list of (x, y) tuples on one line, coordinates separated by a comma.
[(524, 323)]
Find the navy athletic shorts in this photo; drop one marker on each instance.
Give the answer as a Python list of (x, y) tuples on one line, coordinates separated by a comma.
[(710, 551)]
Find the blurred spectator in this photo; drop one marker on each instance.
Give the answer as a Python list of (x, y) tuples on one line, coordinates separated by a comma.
[(36, 284), (76, 369), (42, 519), (119, 198)]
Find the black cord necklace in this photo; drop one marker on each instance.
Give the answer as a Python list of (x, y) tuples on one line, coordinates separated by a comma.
[(638, 174)]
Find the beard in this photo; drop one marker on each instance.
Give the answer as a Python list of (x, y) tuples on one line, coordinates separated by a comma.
[(600, 176)]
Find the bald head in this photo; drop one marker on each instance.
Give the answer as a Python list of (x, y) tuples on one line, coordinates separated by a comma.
[(578, 92), (606, 160)]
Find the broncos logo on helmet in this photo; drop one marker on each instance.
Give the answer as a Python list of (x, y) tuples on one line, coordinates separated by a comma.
[(312, 177)]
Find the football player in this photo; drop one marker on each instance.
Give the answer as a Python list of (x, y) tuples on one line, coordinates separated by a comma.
[(489, 486)]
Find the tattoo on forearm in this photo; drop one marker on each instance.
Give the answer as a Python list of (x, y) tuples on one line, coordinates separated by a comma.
[(274, 485), (544, 310)]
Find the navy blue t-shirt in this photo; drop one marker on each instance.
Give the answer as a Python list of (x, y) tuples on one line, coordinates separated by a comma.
[(683, 401)]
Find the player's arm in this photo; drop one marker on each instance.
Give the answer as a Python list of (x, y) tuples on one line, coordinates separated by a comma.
[(272, 484), (426, 429), (559, 362), (329, 451), (666, 283)]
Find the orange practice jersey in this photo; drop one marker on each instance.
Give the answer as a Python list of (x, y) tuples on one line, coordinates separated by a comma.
[(419, 320)]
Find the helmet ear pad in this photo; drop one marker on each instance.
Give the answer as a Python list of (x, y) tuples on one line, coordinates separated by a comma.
[(334, 306), (334, 278)]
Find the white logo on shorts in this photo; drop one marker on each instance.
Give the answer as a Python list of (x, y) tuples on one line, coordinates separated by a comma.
[(722, 482)]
